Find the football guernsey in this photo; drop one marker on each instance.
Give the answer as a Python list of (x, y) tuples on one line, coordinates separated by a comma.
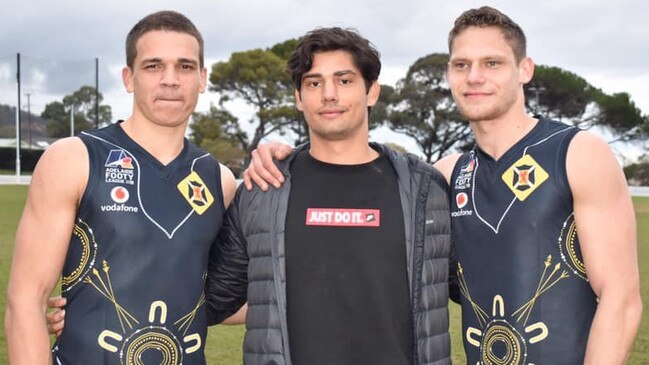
[(134, 271), (525, 295), (348, 299)]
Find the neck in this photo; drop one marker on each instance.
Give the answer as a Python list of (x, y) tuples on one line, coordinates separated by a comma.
[(497, 136), (163, 143), (342, 152)]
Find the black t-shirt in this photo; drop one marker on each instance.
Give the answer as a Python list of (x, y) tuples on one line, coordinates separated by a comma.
[(347, 288)]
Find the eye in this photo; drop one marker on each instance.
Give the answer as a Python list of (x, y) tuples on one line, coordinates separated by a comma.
[(345, 81), (152, 66), (187, 66), (312, 84), (492, 64), (459, 65)]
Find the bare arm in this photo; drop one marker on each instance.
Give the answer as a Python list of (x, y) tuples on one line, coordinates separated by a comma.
[(237, 318), (262, 169), (607, 234), (446, 164), (42, 241), (228, 185)]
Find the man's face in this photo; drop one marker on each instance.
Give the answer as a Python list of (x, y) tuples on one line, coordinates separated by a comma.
[(334, 99), (484, 77), (166, 77)]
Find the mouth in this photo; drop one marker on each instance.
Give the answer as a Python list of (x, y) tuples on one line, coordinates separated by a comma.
[(476, 95), (331, 113), (169, 100)]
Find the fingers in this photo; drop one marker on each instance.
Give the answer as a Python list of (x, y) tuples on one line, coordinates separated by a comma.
[(262, 170), (278, 151), (251, 175), (55, 322), (56, 319), (56, 302)]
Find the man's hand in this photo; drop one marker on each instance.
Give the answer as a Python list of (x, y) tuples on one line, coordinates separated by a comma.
[(56, 318), (262, 169)]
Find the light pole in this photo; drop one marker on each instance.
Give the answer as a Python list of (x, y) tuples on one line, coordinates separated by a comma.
[(72, 120), (28, 93)]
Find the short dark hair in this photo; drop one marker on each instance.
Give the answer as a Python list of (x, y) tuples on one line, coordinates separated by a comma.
[(162, 20), (365, 55), (487, 16)]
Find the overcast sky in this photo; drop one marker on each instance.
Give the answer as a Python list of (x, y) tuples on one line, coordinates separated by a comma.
[(606, 42)]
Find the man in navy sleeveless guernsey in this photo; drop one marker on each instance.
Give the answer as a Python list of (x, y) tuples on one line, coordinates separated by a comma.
[(541, 217), (127, 214), (542, 222), (348, 260)]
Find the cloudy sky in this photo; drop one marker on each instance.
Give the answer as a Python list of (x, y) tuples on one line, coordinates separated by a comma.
[(605, 42)]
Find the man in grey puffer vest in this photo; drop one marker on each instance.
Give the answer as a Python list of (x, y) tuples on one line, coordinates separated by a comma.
[(347, 262)]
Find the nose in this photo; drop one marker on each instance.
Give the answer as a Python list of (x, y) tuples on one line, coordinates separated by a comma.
[(169, 77), (329, 91), (475, 75)]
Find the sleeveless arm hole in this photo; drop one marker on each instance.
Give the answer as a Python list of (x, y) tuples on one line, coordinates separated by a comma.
[(93, 178), (561, 174)]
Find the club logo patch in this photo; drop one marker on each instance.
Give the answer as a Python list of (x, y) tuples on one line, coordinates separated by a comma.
[(463, 180), (119, 194), (119, 158), (196, 192), (119, 168), (524, 177), (343, 217)]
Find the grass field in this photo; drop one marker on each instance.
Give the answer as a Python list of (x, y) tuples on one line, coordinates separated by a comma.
[(224, 342)]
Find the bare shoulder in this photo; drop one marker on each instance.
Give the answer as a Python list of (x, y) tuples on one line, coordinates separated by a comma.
[(228, 184), (446, 164), (64, 166), (591, 165)]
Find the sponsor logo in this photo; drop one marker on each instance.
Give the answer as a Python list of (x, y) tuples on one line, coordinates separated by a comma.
[(119, 168), (461, 199), (524, 177), (343, 217), (461, 213), (119, 208), (119, 194), (196, 192)]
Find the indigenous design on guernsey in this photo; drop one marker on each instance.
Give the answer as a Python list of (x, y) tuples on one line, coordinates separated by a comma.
[(136, 263), (500, 342), (524, 292)]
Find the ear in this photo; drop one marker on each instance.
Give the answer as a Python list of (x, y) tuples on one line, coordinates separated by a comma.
[(525, 70), (203, 79), (298, 100), (373, 93), (127, 78)]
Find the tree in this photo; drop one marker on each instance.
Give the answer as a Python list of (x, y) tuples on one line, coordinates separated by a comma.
[(558, 94), (82, 105), (638, 173), (620, 115), (258, 77), (422, 108), (563, 95), (218, 132)]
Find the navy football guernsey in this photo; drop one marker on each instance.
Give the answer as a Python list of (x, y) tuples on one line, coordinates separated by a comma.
[(524, 291), (134, 272)]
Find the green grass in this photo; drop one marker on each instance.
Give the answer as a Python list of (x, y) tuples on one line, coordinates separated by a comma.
[(224, 342)]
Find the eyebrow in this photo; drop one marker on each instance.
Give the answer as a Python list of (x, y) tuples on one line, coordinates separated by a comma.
[(337, 74), (179, 60)]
